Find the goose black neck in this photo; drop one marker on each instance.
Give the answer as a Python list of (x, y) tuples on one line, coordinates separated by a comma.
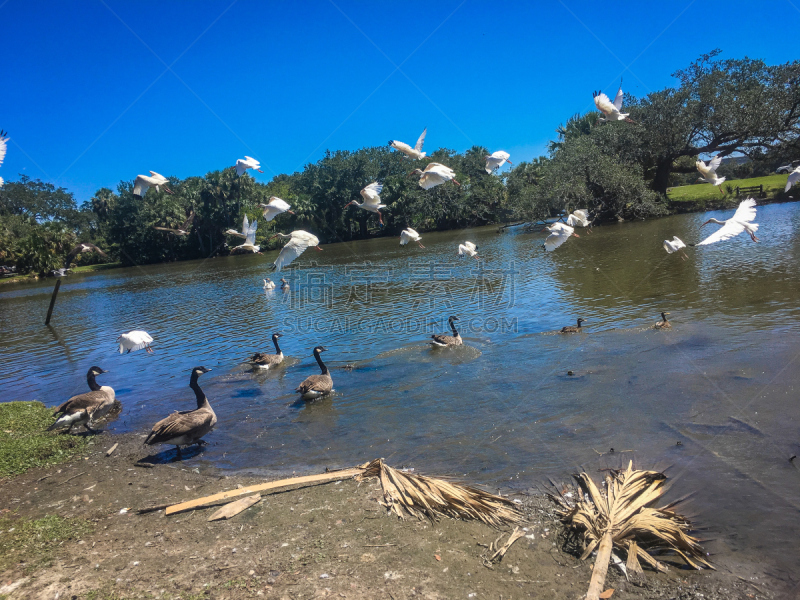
[(201, 397), (453, 327), (579, 323), (320, 363), (90, 378), (275, 341)]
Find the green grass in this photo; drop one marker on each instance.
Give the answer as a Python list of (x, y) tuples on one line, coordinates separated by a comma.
[(33, 541), (704, 192), (101, 267), (25, 442)]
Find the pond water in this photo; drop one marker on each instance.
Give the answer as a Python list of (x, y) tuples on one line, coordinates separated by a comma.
[(714, 400)]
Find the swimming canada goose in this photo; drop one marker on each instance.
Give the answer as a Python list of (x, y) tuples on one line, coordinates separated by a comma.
[(185, 427), (572, 328), (440, 340), (263, 360), (663, 324), (285, 285), (316, 386), (85, 409)]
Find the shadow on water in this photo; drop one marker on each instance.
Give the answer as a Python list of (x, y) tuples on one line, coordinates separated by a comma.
[(171, 456)]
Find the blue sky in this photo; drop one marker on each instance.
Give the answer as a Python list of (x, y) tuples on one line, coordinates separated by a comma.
[(98, 92)]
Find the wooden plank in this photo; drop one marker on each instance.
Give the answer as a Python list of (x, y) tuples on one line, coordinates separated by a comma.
[(111, 450), (52, 302), (234, 508), (272, 485)]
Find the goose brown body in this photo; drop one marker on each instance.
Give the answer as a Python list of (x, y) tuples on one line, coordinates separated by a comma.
[(442, 340), (84, 409), (263, 360), (573, 328), (316, 386), (185, 427), (663, 324)]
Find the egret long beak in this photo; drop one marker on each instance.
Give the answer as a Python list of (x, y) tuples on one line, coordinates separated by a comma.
[(509, 162), (169, 191), (259, 170), (291, 212), (318, 248), (706, 223)]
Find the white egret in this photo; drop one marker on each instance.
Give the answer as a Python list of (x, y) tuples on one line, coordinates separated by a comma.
[(674, 245), (709, 172), (793, 176), (247, 163), (372, 200), (3, 147), (468, 249), (611, 110), (298, 242), (143, 183), (275, 207), (559, 233), (434, 174), (182, 230), (409, 235), (495, 160), (249, 235), (579, 218), (268, 284), (134, 340), (415, 152), (739, 222)]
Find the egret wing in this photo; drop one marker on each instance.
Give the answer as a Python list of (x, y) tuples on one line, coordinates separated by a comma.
[(618, 99), (371, 193), (714, 163), (471, 246), (421, 140), (250, 233), (403, 147), (604, 105), (405, 237), (140, 186), (746, 211), (730, 229), (289, 252), (241, 167), (4, 146), (793, 177)]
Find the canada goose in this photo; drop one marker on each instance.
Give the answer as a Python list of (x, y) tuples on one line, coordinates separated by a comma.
[(262, 360), (134, 340), (663, 324), (441, 340), (185, 427), (316, 386), (268, 284), (573, 329), (84, 409), (285, 285)]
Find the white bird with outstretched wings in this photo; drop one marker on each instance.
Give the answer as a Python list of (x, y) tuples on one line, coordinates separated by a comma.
[(410, 235), (739, 222), (3, 147), (275, 207), (559, 233), (793, 177), (709, 172), (144, 183), (298, 242), (579, 218), (612, 111), (415, 152), (495, 160), (468, 249), (247, 163)]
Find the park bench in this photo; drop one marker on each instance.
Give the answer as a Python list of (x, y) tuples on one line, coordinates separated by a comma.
[(749, 191)]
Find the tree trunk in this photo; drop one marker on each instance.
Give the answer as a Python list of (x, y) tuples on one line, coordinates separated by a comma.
[(601, 561), (661, 180)]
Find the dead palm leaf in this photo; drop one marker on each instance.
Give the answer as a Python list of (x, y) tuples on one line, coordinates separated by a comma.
[(418, 496), (622, 517)]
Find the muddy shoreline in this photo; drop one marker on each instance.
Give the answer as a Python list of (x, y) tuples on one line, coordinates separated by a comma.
[(327, 540)]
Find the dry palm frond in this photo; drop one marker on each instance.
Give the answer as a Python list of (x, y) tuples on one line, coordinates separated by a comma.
[(409, 495), (622, 517)]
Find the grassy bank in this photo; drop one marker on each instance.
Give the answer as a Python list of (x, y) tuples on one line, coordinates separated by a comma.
[(704, 193), (84, 269), (25, 442)]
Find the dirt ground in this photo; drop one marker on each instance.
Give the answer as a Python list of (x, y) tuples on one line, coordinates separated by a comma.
[(331, 540)]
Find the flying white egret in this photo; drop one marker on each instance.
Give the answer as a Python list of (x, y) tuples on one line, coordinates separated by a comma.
[(611, 110), (409, 235), (674, 245), (468, 249), (298, 242), (739, 222), (559, 233), (372, 200), (247, 163), (709, 173), (495, 160), (580, 218), (81, 249), (793, 176), (249, 235), (143, 183), (433, 175), (275, 207), (183, 230), (415, 152), (3, 146), (134, 340)]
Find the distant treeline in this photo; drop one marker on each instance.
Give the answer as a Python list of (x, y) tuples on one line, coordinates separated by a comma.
[(618, 170)]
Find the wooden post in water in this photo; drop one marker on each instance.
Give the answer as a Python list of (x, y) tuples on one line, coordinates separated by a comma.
[(52, 302)]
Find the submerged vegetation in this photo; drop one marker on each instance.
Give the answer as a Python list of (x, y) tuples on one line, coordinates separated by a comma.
[(618, 170), (25, 442)]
